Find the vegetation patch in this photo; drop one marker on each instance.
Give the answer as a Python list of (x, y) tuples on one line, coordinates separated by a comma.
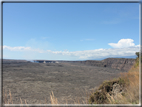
[(122, 90), (100, 96)]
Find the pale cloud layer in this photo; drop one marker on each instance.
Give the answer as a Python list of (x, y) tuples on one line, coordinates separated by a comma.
[(124, 47), (21, 48), (18, 48), (100, 53)]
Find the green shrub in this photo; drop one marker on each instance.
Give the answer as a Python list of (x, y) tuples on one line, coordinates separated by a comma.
[(137, 53)]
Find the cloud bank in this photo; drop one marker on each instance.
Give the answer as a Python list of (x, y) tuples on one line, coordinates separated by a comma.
[(124, 47), (100, 53)]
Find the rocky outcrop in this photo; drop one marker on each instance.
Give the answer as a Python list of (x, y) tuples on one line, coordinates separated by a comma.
[(117, 89), (108, 90)]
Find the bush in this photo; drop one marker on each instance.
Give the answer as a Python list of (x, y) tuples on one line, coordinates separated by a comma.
[(100, 96), (138, 54)]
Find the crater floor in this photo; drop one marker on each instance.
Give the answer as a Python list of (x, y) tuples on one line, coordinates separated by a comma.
[(34, 82)]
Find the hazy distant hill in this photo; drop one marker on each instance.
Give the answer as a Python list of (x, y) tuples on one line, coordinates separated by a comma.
[(134, 57), (14, 61)]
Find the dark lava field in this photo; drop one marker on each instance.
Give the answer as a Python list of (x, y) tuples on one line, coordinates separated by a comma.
[(69, 82)]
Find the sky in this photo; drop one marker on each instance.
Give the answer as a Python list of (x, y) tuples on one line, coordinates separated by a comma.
[(70, 31)]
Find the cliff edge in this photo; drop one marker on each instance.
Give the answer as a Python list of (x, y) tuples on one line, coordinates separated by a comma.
[(116, 63), (119, 63)]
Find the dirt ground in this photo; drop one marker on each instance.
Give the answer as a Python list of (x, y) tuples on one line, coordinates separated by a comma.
[(69, 82)]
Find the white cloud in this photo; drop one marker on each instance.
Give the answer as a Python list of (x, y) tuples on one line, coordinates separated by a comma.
[(124, 47), (100, 53), (22, 48), (87, 54), (123, 43), (19, 48)]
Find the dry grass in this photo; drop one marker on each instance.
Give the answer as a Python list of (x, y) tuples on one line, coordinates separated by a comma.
[(75, 100), (132, 89), (131, 95), (7, 98), (53, 99)]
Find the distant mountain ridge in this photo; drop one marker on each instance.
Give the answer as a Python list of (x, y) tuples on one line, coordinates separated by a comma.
[(130, 57), (14, 61), (116, 63)]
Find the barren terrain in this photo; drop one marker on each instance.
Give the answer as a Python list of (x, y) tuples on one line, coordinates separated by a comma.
[(69, 81)]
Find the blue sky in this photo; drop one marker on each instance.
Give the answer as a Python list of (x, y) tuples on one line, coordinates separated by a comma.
[(70, 31)]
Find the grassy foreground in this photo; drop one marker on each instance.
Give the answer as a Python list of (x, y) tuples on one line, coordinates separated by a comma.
[(122, 90)]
